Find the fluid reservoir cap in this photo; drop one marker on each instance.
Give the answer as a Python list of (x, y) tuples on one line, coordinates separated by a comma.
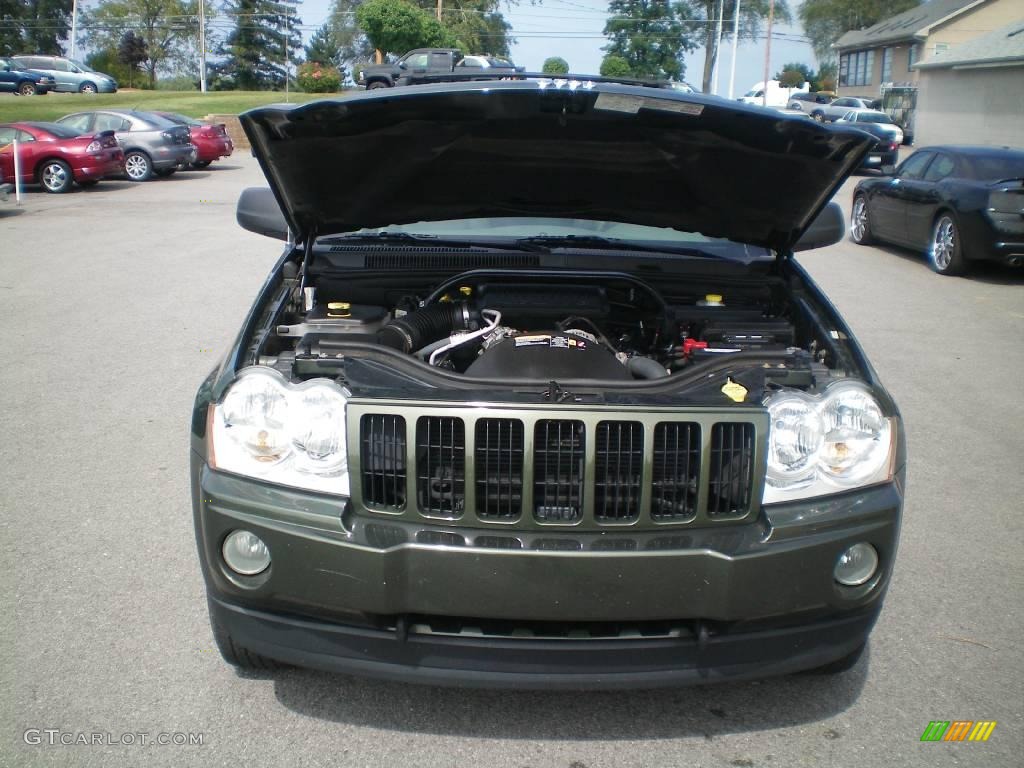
[(339, 309), (713, 298), (465, 290)]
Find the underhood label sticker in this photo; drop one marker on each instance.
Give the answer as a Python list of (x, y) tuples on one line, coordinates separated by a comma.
[(616, 102)]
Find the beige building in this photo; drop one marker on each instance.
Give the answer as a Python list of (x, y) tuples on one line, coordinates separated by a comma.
[(973, 93), (886, 54)]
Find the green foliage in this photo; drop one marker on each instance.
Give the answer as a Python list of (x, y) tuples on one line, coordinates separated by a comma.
[(825, 21), (477, 26), (314, 77), (34, 26), (178, 83), (323, 47), (397, 26), (827, 78), (131, 52), (652, 36), (352, 43), (555, 65), (255, 49), (615, 66), (156, 22), (106, 61)]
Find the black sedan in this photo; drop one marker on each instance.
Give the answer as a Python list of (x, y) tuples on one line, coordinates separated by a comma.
[(956, 204), (888, 136)]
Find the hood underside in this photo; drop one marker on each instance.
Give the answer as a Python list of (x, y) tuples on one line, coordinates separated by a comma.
[(522, 148)]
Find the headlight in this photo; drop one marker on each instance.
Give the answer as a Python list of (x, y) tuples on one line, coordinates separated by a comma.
[(826, 444), (290, 434)]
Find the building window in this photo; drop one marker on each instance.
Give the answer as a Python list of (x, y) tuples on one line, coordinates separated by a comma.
[(887, 65), (856, 68), (911, 57)]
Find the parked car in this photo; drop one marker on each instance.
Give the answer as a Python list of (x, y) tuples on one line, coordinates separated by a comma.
[(23, 82), (5, 187), (153, 145), (432, 65), (889, 136), (54, 155), (955, 204), (71, 76), (777, 95), (594, 428), (211, 141), (829, 113), (805, 101)]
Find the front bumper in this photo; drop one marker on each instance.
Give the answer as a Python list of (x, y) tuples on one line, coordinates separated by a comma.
[(756, 598)]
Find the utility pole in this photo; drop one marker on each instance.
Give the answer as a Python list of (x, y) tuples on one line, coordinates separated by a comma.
[(74, 26), (202, 46), (440, 8), (718, 47), (735, 48), (768, 52), (288, 60)]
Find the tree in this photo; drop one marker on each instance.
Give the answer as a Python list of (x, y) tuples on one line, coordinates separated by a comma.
[(652, 36), (615, 66), (157, 22), (323, 48), (131, 52), (255, 49), (795, 74), (825, 21), (477, 26), (753, 14), (34, 26), (397, 26), (827, 75), (555, 65), (352, 42)]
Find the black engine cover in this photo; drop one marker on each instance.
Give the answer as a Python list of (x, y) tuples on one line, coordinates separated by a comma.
[(548, 356)]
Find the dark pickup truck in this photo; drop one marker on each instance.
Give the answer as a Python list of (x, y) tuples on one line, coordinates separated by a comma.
[(431, 65)]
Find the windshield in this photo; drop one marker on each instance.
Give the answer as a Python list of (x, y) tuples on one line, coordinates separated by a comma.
[(80, 65), (619, 233), (873, 117)]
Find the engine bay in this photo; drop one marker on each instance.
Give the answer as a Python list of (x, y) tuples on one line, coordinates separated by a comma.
[(544, 325)]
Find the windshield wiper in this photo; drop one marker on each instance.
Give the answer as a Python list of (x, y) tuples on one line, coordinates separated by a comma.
[(553, 242), (427, 241)]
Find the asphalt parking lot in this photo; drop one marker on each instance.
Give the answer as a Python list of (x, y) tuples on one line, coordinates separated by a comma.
[(120, 299)]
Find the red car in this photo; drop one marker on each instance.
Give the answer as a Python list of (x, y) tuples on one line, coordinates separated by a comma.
[(55, 155), (211, 141)]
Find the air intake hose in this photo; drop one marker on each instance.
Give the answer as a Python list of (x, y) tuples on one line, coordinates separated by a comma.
[(417, 329)]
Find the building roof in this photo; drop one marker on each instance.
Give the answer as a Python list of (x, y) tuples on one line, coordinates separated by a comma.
[(1001, 47), (908, 25)]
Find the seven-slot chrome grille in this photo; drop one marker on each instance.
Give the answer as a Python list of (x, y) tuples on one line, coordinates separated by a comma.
[(569, 466)]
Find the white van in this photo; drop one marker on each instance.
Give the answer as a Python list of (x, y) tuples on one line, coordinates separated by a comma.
[(777, 96)]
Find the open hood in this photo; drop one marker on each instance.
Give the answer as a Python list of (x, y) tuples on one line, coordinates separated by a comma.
[(654, 157)]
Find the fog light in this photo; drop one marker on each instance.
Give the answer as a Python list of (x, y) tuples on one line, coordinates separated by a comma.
[(856, 565), (245, 553)]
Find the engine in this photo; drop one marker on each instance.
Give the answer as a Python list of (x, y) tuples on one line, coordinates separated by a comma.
[(570, 326)]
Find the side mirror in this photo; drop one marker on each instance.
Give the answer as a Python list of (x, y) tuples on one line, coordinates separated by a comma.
[(402, 65), (259, 212), (828, 228)]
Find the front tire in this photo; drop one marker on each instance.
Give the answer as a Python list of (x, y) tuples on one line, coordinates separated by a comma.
[(860, 227), (946, 252), (55, 176), (87, 88), (27, 89), (237, 655), (138, 166)]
